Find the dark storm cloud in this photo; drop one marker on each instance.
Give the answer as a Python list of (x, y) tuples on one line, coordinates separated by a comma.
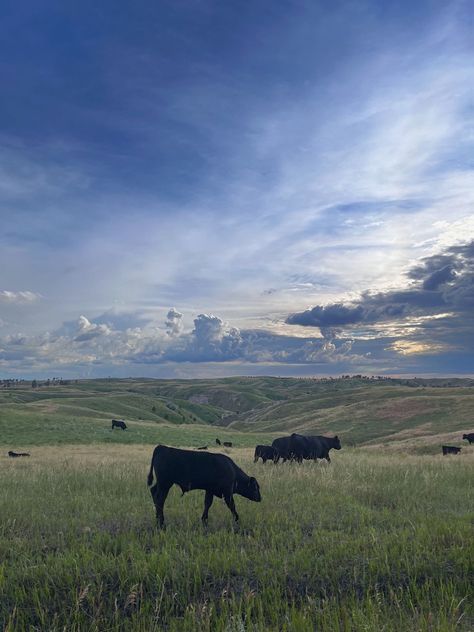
[(438, 284), (440, 277)]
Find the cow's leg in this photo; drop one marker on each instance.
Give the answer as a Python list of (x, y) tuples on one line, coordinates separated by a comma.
[(328, 459), (264, 460), (229, 501), (159, 495), (208, 498)]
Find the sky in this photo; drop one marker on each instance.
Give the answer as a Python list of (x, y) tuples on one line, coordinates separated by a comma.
[(194, 188)]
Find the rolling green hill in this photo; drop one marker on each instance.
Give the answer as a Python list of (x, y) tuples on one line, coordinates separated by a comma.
[(362, 411)]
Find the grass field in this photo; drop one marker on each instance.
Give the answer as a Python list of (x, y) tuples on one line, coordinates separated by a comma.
[(380, 540), (372, 542)]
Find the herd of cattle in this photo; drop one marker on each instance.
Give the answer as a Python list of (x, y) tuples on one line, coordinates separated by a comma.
[(298, 447), (218, 475)]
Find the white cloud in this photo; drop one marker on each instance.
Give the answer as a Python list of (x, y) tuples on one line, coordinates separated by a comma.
[(8, 296), (87, 330)]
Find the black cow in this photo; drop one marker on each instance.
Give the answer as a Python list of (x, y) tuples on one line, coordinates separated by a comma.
[(265, 452), (282, 447), (118, 423), (218, 442), (450, 449), (298, 447), (469, 436), (320, 446), (216, 474), (228, 444), (14, 454)]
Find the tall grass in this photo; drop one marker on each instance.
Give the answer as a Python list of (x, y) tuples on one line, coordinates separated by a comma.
[(369, 543)]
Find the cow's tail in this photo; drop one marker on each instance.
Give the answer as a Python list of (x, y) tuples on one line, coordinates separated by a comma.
[(150, 473)]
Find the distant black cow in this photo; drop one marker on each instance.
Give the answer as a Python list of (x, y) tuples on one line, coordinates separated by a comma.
[(218, 442), (216, 474), (228, 444), (450, 449), (469, 436), (265, 452), (118, 423), (298, 447), (203, 447), (14, 454)]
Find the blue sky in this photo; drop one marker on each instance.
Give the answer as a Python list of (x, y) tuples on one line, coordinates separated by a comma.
[(213, 188)]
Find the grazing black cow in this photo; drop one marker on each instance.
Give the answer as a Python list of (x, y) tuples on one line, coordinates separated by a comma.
[(203, 447), (469, 436), (216, 474), (450, 449), (298, 447), (264, 452), (118, 423), (218, 442), (14, 454), (227, 444)]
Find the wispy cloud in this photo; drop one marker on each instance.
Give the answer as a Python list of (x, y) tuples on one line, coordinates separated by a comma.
[(9, 296)]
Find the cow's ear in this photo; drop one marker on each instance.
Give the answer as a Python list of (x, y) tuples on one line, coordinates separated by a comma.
[(336, 437)]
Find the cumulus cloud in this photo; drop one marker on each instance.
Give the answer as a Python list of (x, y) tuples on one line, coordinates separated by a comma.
[(174, 322), (213, 339), (87, 330), (88, 345), (208, 328)]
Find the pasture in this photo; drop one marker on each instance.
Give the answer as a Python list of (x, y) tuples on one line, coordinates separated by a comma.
[(376, 541)]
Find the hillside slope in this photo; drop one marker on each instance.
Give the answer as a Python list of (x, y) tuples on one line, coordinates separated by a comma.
[(361, 410)]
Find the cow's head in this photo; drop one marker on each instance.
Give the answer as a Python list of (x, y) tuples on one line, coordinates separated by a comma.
[(464, 436), (337, 443), (253, 490)]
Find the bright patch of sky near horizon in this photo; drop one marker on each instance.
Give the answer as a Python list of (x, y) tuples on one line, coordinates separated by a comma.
[(248, 160)]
